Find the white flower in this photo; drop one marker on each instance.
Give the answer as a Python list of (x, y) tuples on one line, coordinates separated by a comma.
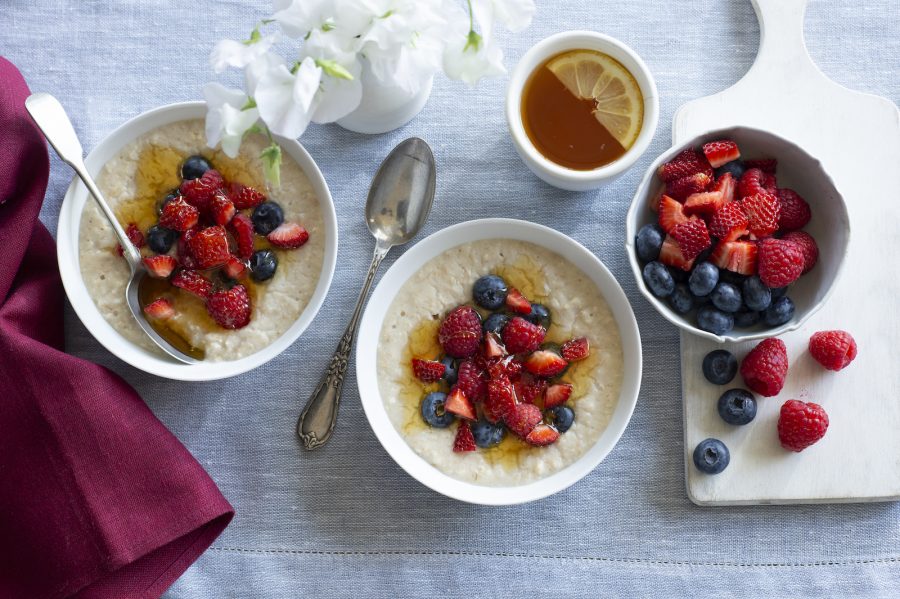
[(254, 71), (229, 115), (470, 58), (515, 15), (232, 53), (285, 97)]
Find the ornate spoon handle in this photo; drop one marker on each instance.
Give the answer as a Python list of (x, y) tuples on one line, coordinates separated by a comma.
[(316, 422)]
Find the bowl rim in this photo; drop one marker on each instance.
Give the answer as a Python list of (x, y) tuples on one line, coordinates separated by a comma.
[(574, 40), (68, 255), (367, 350), (639, 204)]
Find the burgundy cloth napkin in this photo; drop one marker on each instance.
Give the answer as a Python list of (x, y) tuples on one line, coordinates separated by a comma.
[(97, 498)]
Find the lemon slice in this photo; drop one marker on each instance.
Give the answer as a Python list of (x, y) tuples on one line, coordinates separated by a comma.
[(618, 102)]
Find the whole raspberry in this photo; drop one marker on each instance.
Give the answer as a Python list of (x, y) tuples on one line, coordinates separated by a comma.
[(795, 212), (230, 308), (470, 381), (522, 419), (765, 367), (199, 192), (801, 424), (833, 349), (807, 245), (209, 247), (780, 262), (460, 333), (751, 183), (521, 336), (501, 399)]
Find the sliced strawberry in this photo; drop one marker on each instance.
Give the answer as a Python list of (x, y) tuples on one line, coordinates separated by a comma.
[(671, 213), (288, 236), (763, 212), (464, 440), (161, 309), (530, 389), (692, 237), (230, 308), (517, 302), (493, 348), (766, 165), (654, 202), (183, 249), (557, 394), (501, 399), (245, 197), (234, 268), (727, 185), (192, 282), (721, 152), (134, 235), (199, 192), (178, 215), (576, 349), (736, 256), (221, 209), (688, 162), (428, 371), (685, 186), (242, 228), (522, 419), (457, 403), (542, 435), (160, 267), (209, 247), (704, 203), (670, 255), (729, 222), (545, 363)]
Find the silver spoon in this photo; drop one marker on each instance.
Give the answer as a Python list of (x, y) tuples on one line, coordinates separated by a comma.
[(398, 204), (51, 118)]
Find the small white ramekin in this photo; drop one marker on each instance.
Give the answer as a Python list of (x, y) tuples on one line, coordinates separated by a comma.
[(546, 169)]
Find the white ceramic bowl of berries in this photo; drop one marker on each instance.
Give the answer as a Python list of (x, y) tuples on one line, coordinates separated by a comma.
[(738, 234), (68, 256)]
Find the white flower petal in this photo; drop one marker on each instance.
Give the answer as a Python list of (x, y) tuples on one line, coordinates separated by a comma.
[(232, 53), (470, 63), (254, 71), (285, 99), (338, 97), (226, 122)]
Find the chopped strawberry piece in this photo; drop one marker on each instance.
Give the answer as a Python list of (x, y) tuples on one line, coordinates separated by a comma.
[(493, 348), (457, 403), (209, 247), (670, 255), (134, 235), (685, 186), (464, 440), (245, 197), (763, 211), (654, 202), (721, 152), (234, 268), (183, 250), (192, 282), (751, 183), (557, 394), (727, 185), (501, 399), (705, 203), (736, 256), (530, 389), (795, 212), (770, 183), (545, 363), (178, 215), (766, 165), (692, 237), (428, 371), (160, 309), (517, 302), (729, 222), (199, 192), (521, 336), (288, 236), (542, 435), (508, 367), (671, 213), (242, 228), (522, 419), (576, 349), (221, 209), (160, 267), (470, 380), (688, 162), (230, 308)]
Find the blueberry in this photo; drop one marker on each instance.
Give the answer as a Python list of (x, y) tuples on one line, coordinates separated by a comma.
[(726, 297), (648, 242), (490, 292), (267, 217), (263, 265), (161, 239), (756, 295), (714, 321), (562, 417), (737, 406), (659, 279), (433, 410), (540, 314), (735, 167), (194, 167), (746, 318), (703, 279), (162, 203), (450, 370), (681, 300), (778, 292), (495, 323), (487, 434), (711, 456), (781, 311), (720, 366)]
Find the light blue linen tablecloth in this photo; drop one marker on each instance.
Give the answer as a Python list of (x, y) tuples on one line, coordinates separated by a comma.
[(346, 521)]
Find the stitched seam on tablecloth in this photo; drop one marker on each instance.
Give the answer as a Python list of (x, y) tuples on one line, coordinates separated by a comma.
[(588, 558)]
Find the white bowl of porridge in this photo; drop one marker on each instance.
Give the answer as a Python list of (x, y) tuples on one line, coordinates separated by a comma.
[(134, 167), (580, 299)]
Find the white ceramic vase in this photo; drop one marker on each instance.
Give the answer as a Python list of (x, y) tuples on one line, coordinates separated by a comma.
[(384, 108)]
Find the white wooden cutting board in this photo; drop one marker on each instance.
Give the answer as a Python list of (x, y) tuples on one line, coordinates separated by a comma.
[(857, 138)]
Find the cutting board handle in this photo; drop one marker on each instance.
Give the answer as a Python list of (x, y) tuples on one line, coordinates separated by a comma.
[(781, 44)]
